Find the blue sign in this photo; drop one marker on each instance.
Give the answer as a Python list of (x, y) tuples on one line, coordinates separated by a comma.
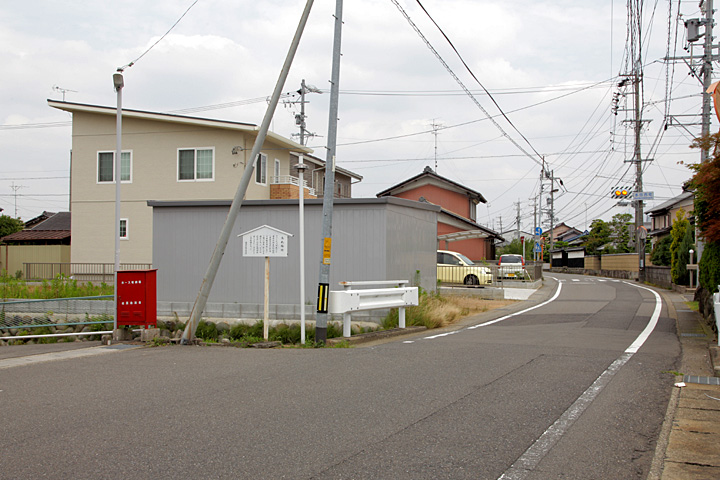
[(537, 247), (644, 195), (538, 231)]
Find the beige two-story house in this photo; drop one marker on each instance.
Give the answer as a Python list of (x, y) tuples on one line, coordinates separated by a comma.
[(169, 157)]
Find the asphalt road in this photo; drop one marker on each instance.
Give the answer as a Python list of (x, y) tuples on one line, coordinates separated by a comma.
[(537, 395)]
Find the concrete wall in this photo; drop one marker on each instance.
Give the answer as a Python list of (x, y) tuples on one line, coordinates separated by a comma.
[(373, 239), (618, 265), (658, 275), (12, 257)]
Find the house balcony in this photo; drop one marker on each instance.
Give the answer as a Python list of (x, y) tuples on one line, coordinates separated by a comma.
[(285, 187)]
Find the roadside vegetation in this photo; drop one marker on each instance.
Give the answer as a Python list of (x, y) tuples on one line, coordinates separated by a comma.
[(60, 287), (433, 311), (436, 311)]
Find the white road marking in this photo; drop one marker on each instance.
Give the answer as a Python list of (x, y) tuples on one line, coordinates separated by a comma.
[(529, 460)]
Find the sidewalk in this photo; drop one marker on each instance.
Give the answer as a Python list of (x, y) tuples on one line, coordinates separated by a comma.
[(689, 444)]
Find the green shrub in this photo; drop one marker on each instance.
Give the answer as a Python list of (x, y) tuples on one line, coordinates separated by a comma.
[(287, 334), (661, 252), (710, 267), (207, 331)]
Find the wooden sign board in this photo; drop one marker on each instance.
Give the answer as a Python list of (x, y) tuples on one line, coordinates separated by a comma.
[(265, 241)]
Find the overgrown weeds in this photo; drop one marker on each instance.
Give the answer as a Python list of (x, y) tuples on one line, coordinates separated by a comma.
[(436, 311), (59, 287)]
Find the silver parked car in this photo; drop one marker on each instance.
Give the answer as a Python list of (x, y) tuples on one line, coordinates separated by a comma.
[(511, 266)]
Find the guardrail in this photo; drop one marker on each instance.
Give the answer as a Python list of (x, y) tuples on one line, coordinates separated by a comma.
[(347, 300), (55, 317)]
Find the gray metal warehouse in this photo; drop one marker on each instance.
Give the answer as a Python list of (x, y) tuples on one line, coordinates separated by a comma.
[(372, 239)]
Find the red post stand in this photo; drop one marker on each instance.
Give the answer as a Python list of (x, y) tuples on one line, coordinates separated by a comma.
[(137, 297)]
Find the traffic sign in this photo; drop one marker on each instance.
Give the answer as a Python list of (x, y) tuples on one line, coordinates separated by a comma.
[(538, 231), (537, 248), (644, 196)]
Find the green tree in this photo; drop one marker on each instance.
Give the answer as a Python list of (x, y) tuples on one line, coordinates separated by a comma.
[(515, 247), (678, 258), (661, 252), (706, 184), (9, 225), (598, 236), (620, 232)]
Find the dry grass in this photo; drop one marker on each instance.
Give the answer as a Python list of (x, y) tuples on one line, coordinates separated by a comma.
[(437, 311)]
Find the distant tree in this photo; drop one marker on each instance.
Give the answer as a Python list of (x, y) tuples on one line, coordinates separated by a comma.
[(620, 232), (599, 235), (661, 253), (9, 225), (515, 247)]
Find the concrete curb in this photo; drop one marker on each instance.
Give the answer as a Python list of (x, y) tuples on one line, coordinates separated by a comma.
[(372, 336)]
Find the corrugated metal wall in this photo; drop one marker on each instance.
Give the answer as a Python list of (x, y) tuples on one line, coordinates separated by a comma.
[(12, 257), (373, 239)]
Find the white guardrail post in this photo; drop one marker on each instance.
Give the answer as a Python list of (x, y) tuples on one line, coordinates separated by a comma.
[(716, 304), (347, 300)]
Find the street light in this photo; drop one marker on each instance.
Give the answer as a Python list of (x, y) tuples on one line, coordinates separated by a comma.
[(301, 201), (118, 83)]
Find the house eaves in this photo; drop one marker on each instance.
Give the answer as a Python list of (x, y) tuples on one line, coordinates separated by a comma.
[(669, 204), (460, 220), (429, 177), (321, 164), (180, 119)]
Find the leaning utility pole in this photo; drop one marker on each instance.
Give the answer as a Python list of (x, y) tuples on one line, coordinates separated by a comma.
[(222, 242), (329, 186)]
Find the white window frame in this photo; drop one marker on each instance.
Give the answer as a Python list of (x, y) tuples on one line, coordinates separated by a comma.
[(127, 229), (276, 170), (194, 179), (261, 169), (112, 152)]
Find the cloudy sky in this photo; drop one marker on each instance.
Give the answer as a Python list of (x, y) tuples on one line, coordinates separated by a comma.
[(552, 66)]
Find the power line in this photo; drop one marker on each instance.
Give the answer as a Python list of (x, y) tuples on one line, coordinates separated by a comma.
[(120, 69), (462, 85)]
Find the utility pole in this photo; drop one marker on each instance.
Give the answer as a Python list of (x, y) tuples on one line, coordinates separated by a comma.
[(517, 219), (535, 236), (300, 118), (552, 210), (217, 255), (639, 242), (329, 187), (707, 72)]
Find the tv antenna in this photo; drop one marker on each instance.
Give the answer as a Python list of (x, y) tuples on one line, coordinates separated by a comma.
[(63, 90)]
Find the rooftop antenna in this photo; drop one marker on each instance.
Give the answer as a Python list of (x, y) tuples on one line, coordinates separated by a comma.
[(15, 189), (63, 90), (435, 127)]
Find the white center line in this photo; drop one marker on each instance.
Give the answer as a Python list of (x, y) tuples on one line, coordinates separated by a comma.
[(529, 460)]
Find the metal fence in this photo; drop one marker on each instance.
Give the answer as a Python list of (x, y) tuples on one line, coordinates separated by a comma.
[(56, 317), (82, 272)]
